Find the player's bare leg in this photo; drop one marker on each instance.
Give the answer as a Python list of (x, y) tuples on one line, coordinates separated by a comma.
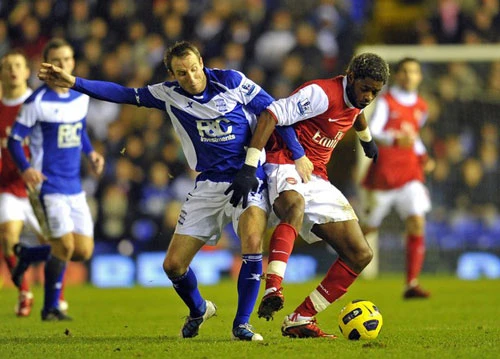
[(354, 254), (289, 207), (415, 254), (84, 247), (9, 236)]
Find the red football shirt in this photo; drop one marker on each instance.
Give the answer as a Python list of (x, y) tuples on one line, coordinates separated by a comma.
[(10, 179), (321, 114), (396, 166)]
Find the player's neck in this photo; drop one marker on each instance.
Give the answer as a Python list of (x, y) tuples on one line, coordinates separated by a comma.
[(59, 90), (14, 92)]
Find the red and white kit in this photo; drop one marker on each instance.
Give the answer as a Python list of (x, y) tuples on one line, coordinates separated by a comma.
[(329, 114), (397, 178), (14, 203)]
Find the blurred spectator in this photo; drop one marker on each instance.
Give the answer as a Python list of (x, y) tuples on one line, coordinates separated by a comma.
[(155, 193), (78, 24), (273, 45), (306, 48), (448, 23)]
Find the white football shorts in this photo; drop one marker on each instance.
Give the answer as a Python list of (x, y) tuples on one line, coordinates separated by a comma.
[(412, 199), (324, 203), (13, 208), (68, 214), (207, 210)]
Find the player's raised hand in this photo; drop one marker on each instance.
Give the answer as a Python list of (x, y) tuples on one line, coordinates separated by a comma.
[(244, 182), (304, 168), (96, 162), (55, 76)]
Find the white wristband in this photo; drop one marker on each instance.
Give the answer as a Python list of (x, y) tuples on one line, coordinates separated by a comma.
[(253, 156), (364, 135)]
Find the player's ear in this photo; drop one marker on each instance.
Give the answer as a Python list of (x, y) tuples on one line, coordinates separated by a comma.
[(350, 77), (201, 62)]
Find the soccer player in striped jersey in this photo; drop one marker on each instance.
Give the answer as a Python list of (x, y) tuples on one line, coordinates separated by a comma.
[(397, 180), (214, 112), (54, 119), (321, 111)]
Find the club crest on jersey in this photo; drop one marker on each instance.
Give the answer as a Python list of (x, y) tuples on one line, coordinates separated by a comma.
[(247, 88), (304, 106), (221, 104)]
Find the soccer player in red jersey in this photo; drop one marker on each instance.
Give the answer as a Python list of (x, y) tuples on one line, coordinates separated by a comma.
[(397, 180), (321, 111), (15, 208)]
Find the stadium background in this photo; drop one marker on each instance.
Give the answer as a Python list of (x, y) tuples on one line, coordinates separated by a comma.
[(279, 44)]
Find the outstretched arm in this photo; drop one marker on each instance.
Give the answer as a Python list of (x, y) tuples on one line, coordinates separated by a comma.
[(101, 90)]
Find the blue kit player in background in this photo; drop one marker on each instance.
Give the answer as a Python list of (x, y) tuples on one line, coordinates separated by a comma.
[(213, 111), (54, 118)]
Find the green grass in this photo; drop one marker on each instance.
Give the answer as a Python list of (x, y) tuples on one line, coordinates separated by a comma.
[(460, 321)]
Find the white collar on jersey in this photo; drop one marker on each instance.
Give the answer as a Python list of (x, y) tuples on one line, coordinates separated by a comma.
[(346, 99), (404, 97)]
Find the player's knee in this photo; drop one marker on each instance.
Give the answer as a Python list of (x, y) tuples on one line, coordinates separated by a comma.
[(173, 268), (63, 250), (290, 208), (251, 243), (82, 254), (361, 258)]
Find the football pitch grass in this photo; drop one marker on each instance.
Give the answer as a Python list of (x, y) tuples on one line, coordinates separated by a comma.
[(461, 320)]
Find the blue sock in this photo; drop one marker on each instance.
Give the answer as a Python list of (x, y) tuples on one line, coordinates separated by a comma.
[(54, 272), (248, 287), (186, 287), (29, 255)]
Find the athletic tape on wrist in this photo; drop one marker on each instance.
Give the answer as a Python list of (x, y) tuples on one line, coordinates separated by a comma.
[(253, 156), (364, 135)]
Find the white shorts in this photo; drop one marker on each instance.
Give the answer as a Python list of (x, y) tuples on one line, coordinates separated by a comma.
[(68, 214), (410, 200), (13, 208), (207, 211), (324, 203)]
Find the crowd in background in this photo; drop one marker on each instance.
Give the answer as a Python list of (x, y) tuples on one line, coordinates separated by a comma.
[(279, 44)]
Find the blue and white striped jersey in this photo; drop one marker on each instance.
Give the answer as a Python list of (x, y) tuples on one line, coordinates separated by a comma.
[(56, 124), (214, 127)]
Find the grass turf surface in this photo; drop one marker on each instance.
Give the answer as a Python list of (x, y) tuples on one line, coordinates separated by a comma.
[(461, 320)]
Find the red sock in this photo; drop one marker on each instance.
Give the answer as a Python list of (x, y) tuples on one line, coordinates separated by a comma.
[(280, 248), (11, 264), (415, 254), (338, 278)]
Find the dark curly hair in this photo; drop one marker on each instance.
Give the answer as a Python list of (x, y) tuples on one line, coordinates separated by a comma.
[(369, 65)]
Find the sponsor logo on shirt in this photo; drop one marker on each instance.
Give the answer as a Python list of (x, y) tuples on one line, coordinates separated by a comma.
[(291, 180), (326, 141), (304, 106), (69, 135), (215, 130)]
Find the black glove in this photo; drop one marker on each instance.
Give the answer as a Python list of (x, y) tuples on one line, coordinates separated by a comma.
[(244, 182), (371, 149)]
